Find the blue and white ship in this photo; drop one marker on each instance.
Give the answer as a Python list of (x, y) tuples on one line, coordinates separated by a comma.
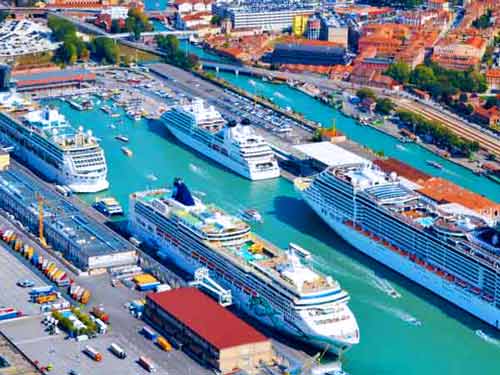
[(271, 285), (45, 141), (450, 249), (235, 146)]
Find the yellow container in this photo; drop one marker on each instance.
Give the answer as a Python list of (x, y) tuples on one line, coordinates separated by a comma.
[(145, 278), (85, 297), (163, 343)]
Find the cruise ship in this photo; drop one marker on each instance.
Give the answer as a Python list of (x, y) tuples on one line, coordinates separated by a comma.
[(45, 141), (450, 249), (235, 146), (269, 284)]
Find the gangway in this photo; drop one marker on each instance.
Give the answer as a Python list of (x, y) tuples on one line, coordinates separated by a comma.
[(202, 280)]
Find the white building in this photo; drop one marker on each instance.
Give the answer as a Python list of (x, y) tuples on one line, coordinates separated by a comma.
[(116, 13)]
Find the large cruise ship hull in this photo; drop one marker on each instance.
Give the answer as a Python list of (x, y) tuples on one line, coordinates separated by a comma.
[(403, 265), (51, 173), (242, 301), (222, 159)]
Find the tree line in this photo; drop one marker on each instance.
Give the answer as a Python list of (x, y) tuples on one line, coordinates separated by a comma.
[(439, 134), (173, 55), (73, 48)]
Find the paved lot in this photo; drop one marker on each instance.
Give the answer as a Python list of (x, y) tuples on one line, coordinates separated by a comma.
[(11, 271)]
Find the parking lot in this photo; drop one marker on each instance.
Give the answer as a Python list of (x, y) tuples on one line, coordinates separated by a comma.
[(12, 271)]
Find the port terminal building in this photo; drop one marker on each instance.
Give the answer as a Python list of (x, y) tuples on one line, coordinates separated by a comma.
[(44, 80), (207, 331), (87, 244)]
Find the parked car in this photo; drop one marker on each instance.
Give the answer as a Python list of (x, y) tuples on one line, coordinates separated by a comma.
[(26, 283)]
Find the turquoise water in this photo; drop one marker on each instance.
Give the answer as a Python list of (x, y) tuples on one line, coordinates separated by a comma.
[(446, 342), (155, 4)]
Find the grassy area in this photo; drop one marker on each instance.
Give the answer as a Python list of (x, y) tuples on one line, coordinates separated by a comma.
[(140, 55), (33, 60)]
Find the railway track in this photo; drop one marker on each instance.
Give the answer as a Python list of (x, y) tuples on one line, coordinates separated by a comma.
[(486, 142)]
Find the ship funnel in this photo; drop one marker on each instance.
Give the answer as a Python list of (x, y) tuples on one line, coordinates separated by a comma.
[(181, 193)]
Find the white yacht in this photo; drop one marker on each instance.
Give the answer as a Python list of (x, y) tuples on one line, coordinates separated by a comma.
[(46, 142), (271, 285), (235, 146)]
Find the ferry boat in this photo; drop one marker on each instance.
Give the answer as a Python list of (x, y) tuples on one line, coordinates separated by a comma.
[(267, 283), (447, 248), (235, 146), (108, 206), (45, 141)]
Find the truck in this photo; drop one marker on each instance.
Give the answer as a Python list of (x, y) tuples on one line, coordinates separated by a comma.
[(92, 353), (98, 312), (42, 290), (8, 313), (147, 363), (118, 351), (149, 333), (163, 343)]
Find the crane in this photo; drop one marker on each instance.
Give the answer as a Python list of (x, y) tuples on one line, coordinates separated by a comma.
[(41, 236)]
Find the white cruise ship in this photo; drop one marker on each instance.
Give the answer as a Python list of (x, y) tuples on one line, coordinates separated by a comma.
[(267, 283), (235, 146), (445, 247), (46, 142)]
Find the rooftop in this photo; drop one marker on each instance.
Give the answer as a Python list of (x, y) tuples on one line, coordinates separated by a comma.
[(206, 318), (86, 234), (330, 154), (444, 191), (52, 76)]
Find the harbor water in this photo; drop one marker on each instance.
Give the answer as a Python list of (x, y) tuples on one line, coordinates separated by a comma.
[(446, 342)]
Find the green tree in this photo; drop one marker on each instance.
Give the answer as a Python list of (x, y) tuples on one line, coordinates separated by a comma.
[(400, 71), (423, 76), (365, 93), (492, 101), (384, 106)]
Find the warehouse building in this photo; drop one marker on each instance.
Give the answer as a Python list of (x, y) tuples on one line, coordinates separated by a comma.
[(308, 54), (88, 244), (208, 331), (53, 79)]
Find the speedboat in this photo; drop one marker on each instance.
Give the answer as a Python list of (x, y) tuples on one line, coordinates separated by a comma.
[(122, 138), (127, 151), (252, 215)]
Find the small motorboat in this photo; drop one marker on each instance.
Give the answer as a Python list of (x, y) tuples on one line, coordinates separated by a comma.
[(122, 138), (127, 151), (252, 215), (434, 164)]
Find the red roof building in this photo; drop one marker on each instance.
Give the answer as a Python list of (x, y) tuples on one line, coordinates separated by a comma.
[(198, 321)]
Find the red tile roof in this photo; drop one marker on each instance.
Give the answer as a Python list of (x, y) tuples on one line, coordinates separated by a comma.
[(206, 318)]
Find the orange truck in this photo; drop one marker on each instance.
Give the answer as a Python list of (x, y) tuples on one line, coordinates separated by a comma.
[(163, 343)]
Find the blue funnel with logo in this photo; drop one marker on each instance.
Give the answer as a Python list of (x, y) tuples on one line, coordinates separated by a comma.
[(181, 193)]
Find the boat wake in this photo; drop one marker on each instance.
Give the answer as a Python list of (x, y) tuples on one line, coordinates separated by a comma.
[(385, 286), (487, 338), (199, 193), (377, 282), (279, 95), (398, 313), (252, 82), (195, 169), (401, 147), (151, 177)]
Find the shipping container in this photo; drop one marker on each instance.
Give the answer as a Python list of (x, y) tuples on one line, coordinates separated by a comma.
[(147, 363), (85, 297), (46, 298), (163, 288), (34, 259), (8, 313), (148, 286), (163, 343), (18, 244), (92, 353), (118, 351), (42, 290), (149, 333)]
